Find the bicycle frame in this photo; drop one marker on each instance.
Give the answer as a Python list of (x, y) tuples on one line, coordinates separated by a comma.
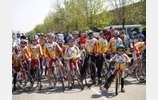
[(118, 73)]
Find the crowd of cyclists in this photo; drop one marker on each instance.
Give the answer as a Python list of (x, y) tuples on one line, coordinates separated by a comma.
[(64, 58)]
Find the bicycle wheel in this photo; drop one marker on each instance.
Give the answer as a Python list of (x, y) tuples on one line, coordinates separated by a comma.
[(116, 85), (139, 73), (78, 76), (61, 79), (105, 71), (126, 73)]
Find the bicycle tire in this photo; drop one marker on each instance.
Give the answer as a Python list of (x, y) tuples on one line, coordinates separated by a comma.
[(116, 85), (137, 73), (80, 83)]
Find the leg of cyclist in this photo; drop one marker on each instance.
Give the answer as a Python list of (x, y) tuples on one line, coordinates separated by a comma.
[(39, 75), (61, 66), (45, 67), (93, 69), (14, 81), (122, 81), (33, 70), (32, 76), (99, 65), (50, 71), (84, 68), (41, 65)]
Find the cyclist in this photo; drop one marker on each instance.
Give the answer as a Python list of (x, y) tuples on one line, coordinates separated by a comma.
[(124, 38), (42, 42), (72, 55), (89, 48), (114, 41), (133, 40), (82, 40), (100, 49), (139, 49), (52, 52), (120, 56), (19, 57), (59, 38), (15, 65), (35, 54)]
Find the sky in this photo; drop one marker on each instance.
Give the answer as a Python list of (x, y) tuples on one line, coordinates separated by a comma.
[(26, 14)]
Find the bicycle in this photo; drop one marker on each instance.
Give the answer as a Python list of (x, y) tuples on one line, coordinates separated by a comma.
[(23, 76), (73, 73), (35, 72), (58, 74), (137, 70), (118, 74), (55, 73)]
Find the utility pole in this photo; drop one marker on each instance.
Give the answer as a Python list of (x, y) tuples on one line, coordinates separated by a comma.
[(123, 14)]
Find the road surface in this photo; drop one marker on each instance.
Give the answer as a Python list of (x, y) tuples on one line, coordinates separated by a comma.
[(134, 91)]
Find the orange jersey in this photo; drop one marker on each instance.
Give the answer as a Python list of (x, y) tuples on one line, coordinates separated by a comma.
[(113, 43), (42, 46), (139, 47), (100, 46), (24, 53), (52, 50), (35, 51)]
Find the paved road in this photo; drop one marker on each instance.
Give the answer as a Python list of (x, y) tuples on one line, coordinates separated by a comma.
[(134, 91)]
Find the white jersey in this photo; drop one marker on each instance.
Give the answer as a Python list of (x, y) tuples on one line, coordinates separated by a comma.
[(121, 58), (104, 41), (132, 42), (72, 52), (89, 44)]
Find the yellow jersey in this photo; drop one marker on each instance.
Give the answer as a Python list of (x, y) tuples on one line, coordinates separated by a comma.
[(100, 46), (113, 44), (89, 46)]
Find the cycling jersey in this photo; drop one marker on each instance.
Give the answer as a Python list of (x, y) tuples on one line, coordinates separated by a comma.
[(72, 52), (34, 51), (125, 40), (139, 47), (89, 46), (82, 41), (16, 61), (100, 46), (132, 42), (120, 58), (24, 53), (113, 43), (52, 50)]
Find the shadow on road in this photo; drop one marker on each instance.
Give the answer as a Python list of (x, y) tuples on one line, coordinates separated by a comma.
[(57, 89), (108, 94)]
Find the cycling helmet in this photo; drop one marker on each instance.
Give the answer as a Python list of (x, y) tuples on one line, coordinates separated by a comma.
[(116, 33), (121, 46), (90, 33), (34, 37), (71, 39), (50, 34), (42, 34), (18, 35), (134, 33), (23, 39)]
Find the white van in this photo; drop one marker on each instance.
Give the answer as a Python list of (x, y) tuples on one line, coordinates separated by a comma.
[(128, 28)]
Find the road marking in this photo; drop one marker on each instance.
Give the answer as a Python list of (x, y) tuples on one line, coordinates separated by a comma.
[(97, 92)]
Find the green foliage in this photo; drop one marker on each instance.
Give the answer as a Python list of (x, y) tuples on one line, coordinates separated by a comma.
[(75, 15), (134, 13)]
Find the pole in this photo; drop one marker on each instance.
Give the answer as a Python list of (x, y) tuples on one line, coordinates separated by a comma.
[(123, 14)]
